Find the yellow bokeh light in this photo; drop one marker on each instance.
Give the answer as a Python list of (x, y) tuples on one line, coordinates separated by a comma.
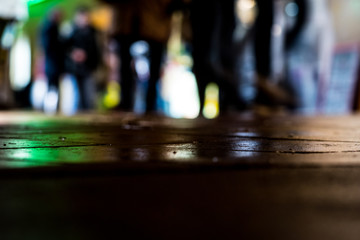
[(211, 107), (112, 97)]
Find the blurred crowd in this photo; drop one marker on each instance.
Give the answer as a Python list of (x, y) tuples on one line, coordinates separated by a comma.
[(76, 54), (276, 54)]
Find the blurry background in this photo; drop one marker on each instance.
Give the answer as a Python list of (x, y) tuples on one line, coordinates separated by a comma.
[(322, 69)]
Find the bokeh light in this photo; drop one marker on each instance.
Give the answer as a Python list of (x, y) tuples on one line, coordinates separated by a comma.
[(211, 108)]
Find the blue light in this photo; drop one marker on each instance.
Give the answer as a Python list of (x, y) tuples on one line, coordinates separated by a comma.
[(292, 9)]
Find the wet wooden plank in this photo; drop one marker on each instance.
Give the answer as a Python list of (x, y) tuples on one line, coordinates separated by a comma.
[(36, 140), (126, 176)]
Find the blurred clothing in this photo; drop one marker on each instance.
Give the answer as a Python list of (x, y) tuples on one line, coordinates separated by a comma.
[(213, 25), (84, 40), (148, 20), (275, 91), (263, 33), (310, 59), (156, 51), (263, 29), (203, 22), (54, 51), (140, 20), (83, 58), (124, 18)]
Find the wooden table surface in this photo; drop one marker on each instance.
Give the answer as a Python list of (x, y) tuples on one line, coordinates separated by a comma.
[(122, 176)]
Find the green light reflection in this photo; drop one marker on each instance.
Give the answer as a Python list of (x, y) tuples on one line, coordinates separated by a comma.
[(37, 157)]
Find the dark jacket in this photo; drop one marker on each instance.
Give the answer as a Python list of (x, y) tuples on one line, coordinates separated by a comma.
[(53, 48), (86, 40)]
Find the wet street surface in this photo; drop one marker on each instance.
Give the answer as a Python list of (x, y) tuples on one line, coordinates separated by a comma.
[(114, 176)]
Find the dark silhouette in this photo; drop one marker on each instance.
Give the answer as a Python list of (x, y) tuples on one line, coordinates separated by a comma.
[(263, 27), (83, 54), (53, 48), (269, 93), (213, 24), (140, 20)]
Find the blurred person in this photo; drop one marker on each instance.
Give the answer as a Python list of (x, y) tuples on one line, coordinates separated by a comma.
[(154, 28), (310, 59), (269, 91), (141, 20), (213, 25), (123, 34), (83, 55), (53, 47)]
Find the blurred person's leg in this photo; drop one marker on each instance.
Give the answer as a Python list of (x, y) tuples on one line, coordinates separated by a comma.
[(203, 24), (263, 28), (292, 40), (53, 79), (86, 92), (301, 19), (156, 56), (202, 71), (51, 101), (127, 81), (268, 92), (80, 84), (229, 97), (202, 79)]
